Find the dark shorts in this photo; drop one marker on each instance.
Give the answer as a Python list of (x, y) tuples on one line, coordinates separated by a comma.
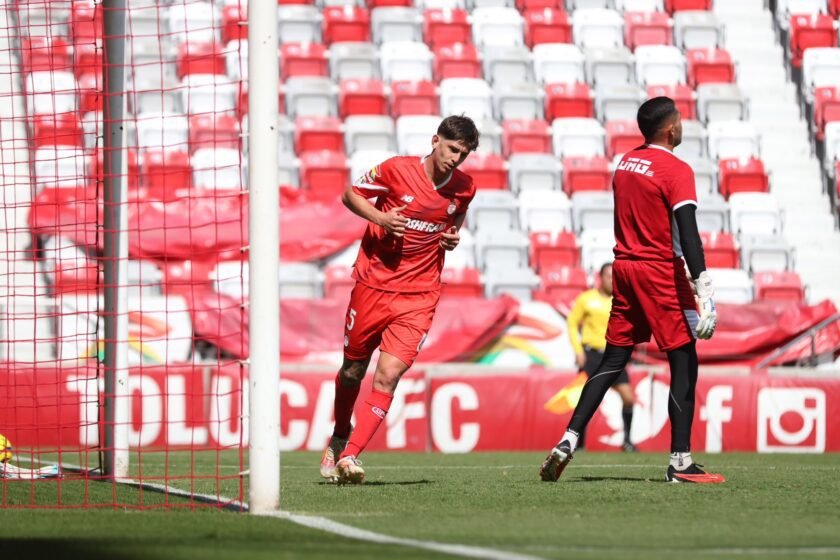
[(593, 360)]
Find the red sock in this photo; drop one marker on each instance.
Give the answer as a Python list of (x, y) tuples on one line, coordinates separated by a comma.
[(345, 399), (370, 417)]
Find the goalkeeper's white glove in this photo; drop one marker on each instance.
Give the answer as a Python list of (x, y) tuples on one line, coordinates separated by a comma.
[(703, 290)]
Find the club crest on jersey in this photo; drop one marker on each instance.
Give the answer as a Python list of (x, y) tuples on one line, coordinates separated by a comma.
[(636, 165), (407, 198), (451, 209)]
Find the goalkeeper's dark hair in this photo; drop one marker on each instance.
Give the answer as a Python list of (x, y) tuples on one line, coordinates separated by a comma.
[(654, 114), (459, 128), (604, 268)]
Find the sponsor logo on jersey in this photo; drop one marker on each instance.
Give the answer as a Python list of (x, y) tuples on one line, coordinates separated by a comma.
[(636, 165), (420, 225), (407, 198)]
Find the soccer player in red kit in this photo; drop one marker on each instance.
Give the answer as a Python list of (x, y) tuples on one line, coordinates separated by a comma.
[(655, 229), (421, 203)]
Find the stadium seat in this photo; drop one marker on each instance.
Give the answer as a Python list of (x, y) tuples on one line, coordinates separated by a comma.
[(607, 66), (778, 286), (553, 249), (338, 282), (85, 21), (705, 175), (310, 96), (461, 282), (362, 97), (285, 134), (643, 6), (68, 269), (755, 214), (527, 5), (826, 109), (446, 27), (577, 137), (560, 286), (719, 250), (96, 167), (547, 25), (90, 93), (208, 93), (406, 61), (63, 129), (596, 248), (497, 26), (501, 248), (490, 132), (519, 283), (143, 278), (361, 161), (592, 210), (414, 98), (618, 102), (682, 95), (60, 166), (517, 101), (809, 31), (732, 139), (831, 145), (709, 66), (565, 100), (324, 174), (574, 5), (234, 20), (659, 65), (345, 23), (594, 27), (230, 278), (488, 170), (414, 133), (712, 213), (672, 6), (464, 256), (45, 54), (493, 210), (558, 63), (49, 93), (820, 67), (200, 58), (162, 130), (192, 22), (469, 96), (622, 136), (166, 172), (533, 171), (525, 136), (507, 64), (742, 175), (586, 174), (766, 253), (370, 132), (300, 280), (303, 59), (217, 168), (87, 58), (389, 3), (694, 29), (318, 133), (213, 130), (545, 210), (299, 24), (720, 102), (396, 23), (458, 60), (441, 4), (647, 28), (732, 285)]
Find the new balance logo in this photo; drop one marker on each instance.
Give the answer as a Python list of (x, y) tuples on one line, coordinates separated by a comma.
[(420, 225), (407, 198), (636, 165), (378, 411)]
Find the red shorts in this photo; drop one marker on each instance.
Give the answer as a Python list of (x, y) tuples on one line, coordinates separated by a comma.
[(652, 297), (396, 322)]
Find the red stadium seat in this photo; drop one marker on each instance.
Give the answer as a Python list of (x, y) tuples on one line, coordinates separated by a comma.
[(622, 136), (45, 53), (90, 93), (778, 286), (346, 23), (487, 170), (568, 100), (526, 136), (446, 27), (338, 282), (552, 250), (200, 58), (586, 174), (187, 278), (166, 173), (324, 174), (560, 286), (386, 3), (834, 8), (96, 168), (303, 59), (87, 58), (457, 61), (526, 5), (64, 129), (414, 98), (85, 21), (672, 6), (362, 97), (461, 282), (709, 65), (215, 130), (76, 277), (295, 2), (826, 108), (647, 28), (318, 133), (807, 31), (742, 175), (547, 25), (719, 250), (683, 96), (242, 101), (235, 23)]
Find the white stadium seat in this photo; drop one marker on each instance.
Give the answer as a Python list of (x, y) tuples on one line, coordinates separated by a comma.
[(406, 60), (577, 137)]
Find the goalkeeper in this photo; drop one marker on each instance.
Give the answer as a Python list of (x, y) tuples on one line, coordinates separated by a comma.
[(655, 229)]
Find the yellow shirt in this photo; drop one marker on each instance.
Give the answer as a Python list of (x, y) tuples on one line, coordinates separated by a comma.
[(591, 310)]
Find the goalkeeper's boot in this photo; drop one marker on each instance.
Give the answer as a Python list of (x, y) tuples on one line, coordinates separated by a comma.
[(692, 474), (556, 462), (331, 453), (350, 470)]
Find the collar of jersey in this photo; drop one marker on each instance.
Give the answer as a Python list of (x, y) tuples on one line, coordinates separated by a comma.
[(658, 147), (445, 181)]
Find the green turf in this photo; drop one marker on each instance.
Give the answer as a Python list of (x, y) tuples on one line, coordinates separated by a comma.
[(606, 505)]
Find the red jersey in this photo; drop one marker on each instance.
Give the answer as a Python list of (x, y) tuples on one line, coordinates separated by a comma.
[(411, 263), (650, 183)]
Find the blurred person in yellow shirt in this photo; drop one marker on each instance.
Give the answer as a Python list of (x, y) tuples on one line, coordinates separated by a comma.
[(587, 323)]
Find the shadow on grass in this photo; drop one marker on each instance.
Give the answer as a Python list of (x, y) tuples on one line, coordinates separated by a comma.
[(382, 483), (610, 478), (65, 548)]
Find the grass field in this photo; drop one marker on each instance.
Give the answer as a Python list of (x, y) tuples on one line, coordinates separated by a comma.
[(606, 505)]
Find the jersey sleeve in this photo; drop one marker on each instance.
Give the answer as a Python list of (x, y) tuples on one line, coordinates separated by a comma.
[(462, 208), (682, 189), (375, 181)]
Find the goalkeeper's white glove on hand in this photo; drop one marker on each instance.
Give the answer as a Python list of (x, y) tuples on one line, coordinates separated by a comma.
[(703, 290)]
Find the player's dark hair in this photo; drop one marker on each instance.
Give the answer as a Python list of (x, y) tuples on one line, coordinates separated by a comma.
[(604, 268), (653, 114), (459, 128)]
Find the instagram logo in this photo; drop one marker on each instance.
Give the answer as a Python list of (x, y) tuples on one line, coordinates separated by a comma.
[(791, 419)]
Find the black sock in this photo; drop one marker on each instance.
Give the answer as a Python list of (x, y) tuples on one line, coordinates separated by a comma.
[(683, 361), (627, 416), (612, 364)]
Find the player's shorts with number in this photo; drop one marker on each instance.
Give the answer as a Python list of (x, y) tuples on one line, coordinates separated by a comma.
[(396, 322), (651, 297)]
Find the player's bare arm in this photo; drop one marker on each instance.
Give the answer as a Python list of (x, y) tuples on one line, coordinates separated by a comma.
[(391, 221)]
